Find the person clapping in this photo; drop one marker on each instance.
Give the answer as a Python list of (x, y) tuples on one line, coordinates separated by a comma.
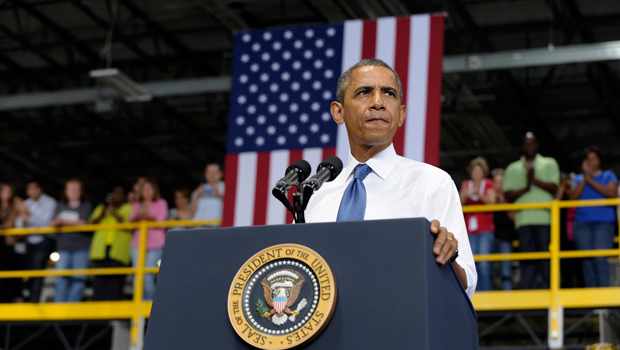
[(110, 247)]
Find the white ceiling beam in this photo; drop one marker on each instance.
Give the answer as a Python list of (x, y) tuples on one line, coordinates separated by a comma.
[(606, 51), (452, 64)]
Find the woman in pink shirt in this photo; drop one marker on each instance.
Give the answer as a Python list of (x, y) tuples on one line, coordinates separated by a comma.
[(149, 207)]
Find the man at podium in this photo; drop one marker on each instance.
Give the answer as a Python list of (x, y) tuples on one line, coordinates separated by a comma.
[(379, 184)]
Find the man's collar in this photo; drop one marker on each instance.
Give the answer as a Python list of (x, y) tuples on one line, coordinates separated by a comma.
[(535, 158), (382, 163)]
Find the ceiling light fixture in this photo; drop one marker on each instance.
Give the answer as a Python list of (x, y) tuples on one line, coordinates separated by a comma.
[(130, 90)]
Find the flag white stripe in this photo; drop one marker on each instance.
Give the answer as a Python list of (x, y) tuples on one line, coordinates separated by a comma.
[(314, 157), (415, 127), (278, 162), (351, 54), (246, 185), (386, 40)]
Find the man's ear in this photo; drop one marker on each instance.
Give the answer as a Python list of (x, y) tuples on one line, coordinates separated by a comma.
[(403, 115), (337, 112)]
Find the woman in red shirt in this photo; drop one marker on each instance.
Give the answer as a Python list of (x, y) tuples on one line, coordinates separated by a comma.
[(478, 191)]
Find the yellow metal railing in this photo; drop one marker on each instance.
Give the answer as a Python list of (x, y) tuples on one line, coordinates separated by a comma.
[(554, 298), (137, 309)]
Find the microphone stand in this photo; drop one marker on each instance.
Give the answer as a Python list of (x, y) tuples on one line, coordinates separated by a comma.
[(298, 207)]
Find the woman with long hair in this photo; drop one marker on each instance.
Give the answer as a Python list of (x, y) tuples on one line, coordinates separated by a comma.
[(73, 247), (149, 207), (12, 208), (477, 191)]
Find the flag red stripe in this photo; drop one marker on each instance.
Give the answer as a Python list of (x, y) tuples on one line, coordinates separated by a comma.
[(294, 155), (433, 103), (328, 152), (401, 66), (369, 39), (262, 188), (230, 178)]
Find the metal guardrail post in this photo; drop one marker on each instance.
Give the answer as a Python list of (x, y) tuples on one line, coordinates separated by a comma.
[(137, 320), (556, 315)]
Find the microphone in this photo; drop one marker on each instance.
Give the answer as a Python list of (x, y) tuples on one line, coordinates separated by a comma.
[(295, 173), (328, 170)]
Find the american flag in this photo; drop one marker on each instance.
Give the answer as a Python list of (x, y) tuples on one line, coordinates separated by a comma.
[(284, 81)]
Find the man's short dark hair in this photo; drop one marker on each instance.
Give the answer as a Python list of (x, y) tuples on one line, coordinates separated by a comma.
[(345, 78), (36, 182), (213, 163)]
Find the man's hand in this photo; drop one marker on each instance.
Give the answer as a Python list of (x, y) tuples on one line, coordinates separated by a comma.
[(200, 189), (444, 248), (530, 174), (445, 244)]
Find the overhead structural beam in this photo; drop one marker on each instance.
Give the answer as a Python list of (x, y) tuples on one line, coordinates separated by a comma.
[(79, 96), (606, 51), (451, 64)]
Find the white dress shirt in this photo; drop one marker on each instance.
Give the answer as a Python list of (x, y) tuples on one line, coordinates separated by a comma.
[(41, 214), (396, 188)]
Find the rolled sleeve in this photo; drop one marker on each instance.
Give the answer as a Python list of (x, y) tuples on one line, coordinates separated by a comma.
[(445, 206)]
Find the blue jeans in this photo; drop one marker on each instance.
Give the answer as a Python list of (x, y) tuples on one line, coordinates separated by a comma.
[(482, 243), (594, 235), (152, 257), (504, 247), (534, 238), (69, 289)]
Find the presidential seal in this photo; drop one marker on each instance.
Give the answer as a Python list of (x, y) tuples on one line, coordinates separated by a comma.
[(282, 297)]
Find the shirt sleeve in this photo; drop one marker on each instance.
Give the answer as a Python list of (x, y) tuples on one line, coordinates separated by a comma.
[(86, 210), (509, 179), (577, 180), (160, 212), (125, 211), (444, 204), (96, 213), (611, 177), (489, 186), (134, 209), (553, 172)]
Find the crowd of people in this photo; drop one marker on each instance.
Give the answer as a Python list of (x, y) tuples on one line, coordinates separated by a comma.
[(101, 248), (532, 179)]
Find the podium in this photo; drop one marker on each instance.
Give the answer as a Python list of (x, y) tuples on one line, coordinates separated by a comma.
[(391, 292)]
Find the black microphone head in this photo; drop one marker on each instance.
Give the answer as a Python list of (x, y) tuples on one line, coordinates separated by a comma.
[(302, 168), (334, 164)]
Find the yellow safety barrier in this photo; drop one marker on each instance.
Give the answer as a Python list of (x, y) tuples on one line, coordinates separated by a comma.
[(137, 310)]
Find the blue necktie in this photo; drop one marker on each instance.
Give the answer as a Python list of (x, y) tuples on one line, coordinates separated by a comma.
[(353, 204)]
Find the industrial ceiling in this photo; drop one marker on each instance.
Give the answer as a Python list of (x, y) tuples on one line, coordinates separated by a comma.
[(52, 45)]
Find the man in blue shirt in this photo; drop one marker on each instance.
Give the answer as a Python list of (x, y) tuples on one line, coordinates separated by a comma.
[(594, 226), (207, 199), (41, 208)]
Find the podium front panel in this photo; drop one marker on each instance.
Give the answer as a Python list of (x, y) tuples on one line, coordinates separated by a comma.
[(391, 293)]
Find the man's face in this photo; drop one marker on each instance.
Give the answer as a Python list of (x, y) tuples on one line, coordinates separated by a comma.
[(213, 173), (371, 110), (530, 146), (33, 190), (498, 181)]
